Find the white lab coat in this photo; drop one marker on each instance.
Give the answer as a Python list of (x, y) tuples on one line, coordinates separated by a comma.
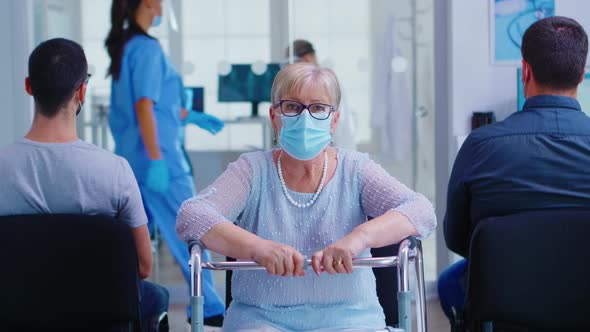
[(392, 103)]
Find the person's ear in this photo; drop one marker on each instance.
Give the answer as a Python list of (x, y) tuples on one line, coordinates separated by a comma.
[(335, 118), (28, 86), (583, 75), (275, 122), (82, 93), (525, 72), (273, 118)]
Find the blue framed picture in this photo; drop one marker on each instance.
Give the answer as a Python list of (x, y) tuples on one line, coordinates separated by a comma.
[(509, 20)]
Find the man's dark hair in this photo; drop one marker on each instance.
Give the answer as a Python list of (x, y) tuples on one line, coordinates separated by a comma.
[(57, 68), (556, 48)]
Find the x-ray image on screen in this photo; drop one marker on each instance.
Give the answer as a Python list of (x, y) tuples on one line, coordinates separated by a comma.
[(241, 84)]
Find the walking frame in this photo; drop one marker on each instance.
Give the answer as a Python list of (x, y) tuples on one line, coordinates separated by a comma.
[(410, 251)]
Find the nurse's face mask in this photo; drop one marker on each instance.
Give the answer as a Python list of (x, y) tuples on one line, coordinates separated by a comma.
[(157, 21), (158, 17), (305, 130)]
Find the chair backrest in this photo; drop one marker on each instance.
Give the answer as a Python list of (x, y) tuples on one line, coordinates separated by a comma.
[(531, 270), (386, 283), (58, 270)]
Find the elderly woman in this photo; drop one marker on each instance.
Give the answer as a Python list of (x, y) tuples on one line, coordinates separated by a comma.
[(304, 199)]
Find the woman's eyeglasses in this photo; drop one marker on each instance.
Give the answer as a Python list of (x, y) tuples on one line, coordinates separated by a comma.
[(293, 108)]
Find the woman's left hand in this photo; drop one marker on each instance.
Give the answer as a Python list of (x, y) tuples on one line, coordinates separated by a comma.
[(337, 257)]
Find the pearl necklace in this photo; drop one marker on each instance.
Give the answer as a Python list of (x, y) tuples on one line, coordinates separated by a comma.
[(315, 195)]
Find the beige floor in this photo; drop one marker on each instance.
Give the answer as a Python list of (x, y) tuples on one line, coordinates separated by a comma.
[(168, 274)]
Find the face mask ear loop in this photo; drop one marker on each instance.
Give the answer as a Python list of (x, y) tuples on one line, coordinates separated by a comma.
[(79, 107)]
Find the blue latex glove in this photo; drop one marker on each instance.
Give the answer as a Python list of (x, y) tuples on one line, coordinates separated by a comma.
[(204, 121), (158, 177)]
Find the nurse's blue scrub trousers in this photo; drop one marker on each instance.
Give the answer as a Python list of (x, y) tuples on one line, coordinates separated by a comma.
[(162, 209)]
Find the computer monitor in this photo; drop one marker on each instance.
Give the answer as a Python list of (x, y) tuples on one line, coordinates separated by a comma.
[(583, 92), (243, 85), (194, 98), (520, 90)]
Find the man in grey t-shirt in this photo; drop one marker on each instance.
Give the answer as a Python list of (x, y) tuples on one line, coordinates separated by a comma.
[(69, 177), (52, 171)]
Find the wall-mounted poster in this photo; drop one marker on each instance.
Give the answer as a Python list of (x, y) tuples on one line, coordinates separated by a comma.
[(509, 19)]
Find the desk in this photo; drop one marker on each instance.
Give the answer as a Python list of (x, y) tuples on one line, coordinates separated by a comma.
[(208, 165), (263, 121)]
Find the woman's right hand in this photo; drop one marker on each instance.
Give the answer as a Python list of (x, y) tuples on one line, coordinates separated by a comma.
[(279, 259)]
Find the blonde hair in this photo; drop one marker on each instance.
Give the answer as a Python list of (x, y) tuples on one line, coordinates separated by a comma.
[(293, 77)]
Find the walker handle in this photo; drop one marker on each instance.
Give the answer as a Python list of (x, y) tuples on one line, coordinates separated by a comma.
[(250, 265)]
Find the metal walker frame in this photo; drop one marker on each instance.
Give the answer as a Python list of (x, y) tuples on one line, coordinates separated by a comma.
[(410, 251)]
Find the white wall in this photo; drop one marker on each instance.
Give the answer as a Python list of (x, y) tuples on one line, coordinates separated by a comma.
[(477, 85), (340, 33), (17, 36)]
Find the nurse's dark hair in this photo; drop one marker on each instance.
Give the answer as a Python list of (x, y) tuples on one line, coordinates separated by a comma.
[(556, 48), (57, 69), (123, 28)]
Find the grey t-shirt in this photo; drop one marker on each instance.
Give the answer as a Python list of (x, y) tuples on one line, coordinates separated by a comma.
[(73, 178)]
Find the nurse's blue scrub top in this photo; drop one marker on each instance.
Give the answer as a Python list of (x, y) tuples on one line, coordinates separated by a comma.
[(146, 72)]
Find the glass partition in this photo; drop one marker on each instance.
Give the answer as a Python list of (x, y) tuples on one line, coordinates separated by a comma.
[(381, 51)]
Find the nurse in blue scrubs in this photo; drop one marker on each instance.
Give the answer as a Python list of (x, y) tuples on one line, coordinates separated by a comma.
[(146, 123)]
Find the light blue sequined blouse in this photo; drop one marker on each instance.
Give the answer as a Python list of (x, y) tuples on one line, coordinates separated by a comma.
[(249, 193)]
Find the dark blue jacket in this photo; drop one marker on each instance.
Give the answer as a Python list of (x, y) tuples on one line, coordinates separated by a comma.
[(535, 159)]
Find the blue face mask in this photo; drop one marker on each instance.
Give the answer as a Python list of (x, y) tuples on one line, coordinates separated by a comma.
[(304, 137), (157, 20)]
